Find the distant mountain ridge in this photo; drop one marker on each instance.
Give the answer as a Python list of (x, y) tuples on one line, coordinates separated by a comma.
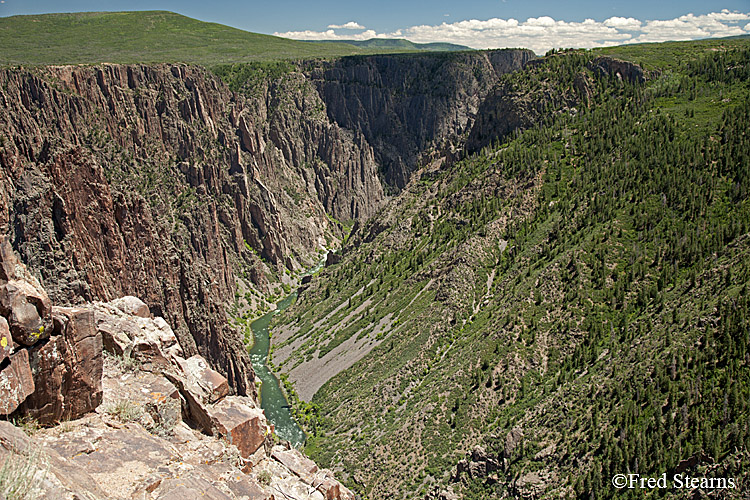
[(398, 43)]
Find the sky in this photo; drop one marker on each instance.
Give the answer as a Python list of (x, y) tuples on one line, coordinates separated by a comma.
[(536, 24)]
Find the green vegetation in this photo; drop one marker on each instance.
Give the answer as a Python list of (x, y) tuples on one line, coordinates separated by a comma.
[(669, 55), (585, 282), (264, 477), (144, 37), (306, 414), (28, 424), (250, 77), (125, 410)]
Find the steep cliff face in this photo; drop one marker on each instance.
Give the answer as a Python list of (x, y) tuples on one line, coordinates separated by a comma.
[(406, 104), (516, 105), (158, 181)]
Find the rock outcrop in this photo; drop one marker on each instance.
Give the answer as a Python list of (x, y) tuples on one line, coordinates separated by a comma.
[(160, 182), (514, 105), (622, 70), (404, 105), (67, 369), (51, 366), (23, 302), (138, 444)]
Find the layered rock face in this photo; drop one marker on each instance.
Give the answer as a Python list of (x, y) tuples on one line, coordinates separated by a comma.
[(157, 181), (405, 105)]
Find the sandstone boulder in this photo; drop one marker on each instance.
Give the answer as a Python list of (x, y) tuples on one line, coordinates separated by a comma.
[(148, 340), (243, 425), (200, 379), (118, 459), (28, 310), (62, 479), (16, 382), (200, 386), (245, 487), (307, 471), (296, 462), (131, 305), (67, 369), (189, 487)]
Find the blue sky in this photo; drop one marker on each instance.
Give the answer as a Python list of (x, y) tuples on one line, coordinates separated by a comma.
[(536, 24)]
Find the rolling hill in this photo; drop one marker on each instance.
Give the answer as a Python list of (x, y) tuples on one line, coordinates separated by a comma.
[(147, 37)]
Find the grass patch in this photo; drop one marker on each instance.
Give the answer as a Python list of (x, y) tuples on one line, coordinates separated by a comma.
[(22, 475), (125, 410)]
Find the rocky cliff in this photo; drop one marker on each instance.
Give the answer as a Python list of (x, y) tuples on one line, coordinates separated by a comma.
[(158, 181), (404, 105), (519, 104)]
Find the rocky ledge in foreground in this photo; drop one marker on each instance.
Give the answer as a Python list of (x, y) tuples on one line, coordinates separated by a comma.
[(127, 415)]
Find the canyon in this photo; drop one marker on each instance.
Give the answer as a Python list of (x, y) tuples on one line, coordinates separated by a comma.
[(158, 181), (501, 275)]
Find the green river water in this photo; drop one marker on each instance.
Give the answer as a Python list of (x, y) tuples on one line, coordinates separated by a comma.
[(272, 399)]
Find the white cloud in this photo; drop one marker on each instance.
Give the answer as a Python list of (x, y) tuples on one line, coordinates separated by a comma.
[(623, 23), (543, 33), (331, 35), (351, 25), (540, 21)]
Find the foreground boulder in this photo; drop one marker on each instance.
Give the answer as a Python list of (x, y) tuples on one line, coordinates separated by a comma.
[(23, 301), (236, 419), (308, 471), (67, 369), (132, 305), (49, 475), (200, 387), (128, 330), (16, 382), (50, 358)]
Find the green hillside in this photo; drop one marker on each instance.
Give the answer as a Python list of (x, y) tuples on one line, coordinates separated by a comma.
[(572, 299), (143, 37), (399, 44)]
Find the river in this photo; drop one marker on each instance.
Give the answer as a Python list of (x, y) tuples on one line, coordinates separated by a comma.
[(272, 399)]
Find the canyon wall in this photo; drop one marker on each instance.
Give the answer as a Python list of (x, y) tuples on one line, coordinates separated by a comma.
[(158, 181), (407, 104)]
